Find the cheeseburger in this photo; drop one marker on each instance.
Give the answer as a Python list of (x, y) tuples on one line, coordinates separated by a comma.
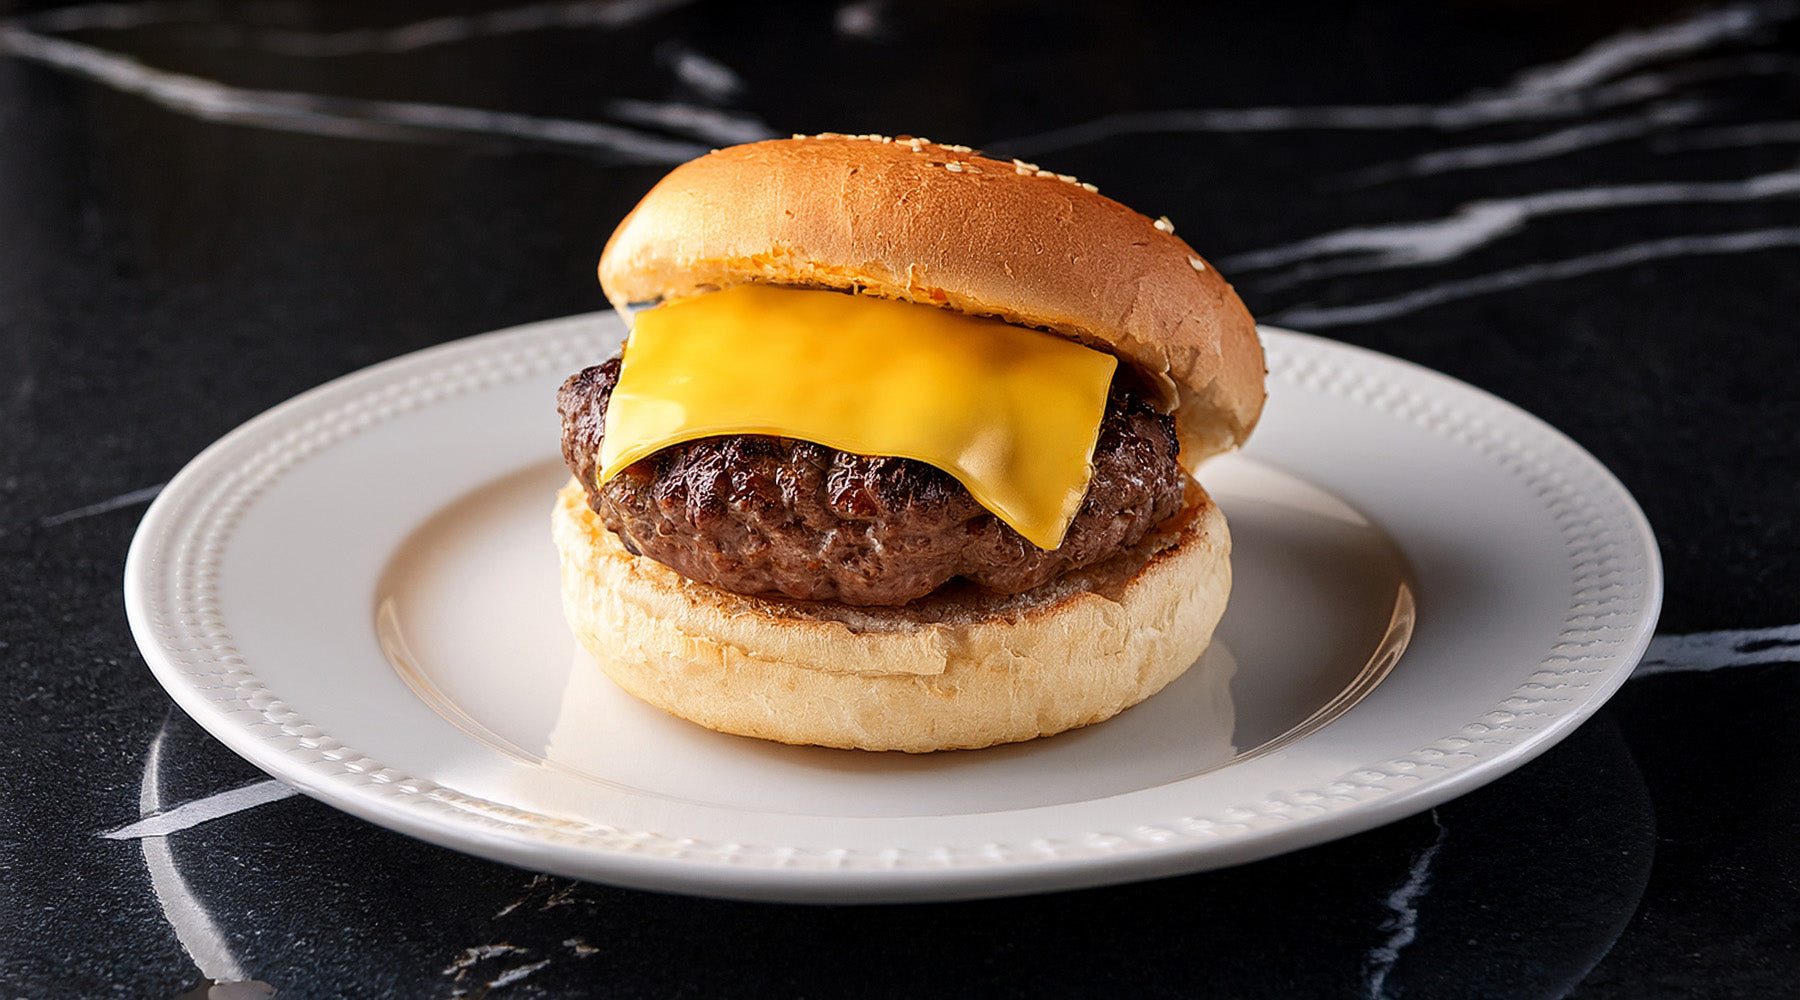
[(897, 454)]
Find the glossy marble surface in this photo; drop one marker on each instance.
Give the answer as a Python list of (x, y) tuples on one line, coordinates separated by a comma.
[(1594, 213)]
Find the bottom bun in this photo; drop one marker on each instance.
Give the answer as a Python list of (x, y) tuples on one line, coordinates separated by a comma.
[(959, 668)]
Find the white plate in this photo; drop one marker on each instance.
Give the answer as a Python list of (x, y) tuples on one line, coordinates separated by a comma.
[(356, 591)]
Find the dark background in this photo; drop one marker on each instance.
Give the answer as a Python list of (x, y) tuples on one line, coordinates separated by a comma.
[(206, 208)]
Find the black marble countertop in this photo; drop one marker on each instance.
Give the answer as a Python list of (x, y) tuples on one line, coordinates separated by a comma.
[(1592, 211)]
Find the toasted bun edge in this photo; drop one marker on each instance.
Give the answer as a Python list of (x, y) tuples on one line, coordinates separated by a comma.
[(956, 670)]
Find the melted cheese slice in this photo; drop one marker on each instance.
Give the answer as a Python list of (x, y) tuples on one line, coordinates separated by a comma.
[(1012, 413)]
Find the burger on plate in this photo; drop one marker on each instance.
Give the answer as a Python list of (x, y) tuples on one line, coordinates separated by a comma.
[(898, 453)]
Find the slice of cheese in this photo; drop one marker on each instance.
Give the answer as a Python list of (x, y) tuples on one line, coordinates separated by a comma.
[(1012, 413)]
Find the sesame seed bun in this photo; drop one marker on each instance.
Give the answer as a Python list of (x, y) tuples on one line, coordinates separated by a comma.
[(942, 225), (959, 668)]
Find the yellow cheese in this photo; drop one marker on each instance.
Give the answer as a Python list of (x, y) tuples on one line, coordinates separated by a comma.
[(1012, 413)]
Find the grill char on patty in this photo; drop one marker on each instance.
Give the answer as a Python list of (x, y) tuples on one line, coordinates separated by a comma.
[(772, 516)]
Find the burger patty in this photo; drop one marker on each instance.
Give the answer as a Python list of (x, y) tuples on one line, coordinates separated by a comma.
[(772, 516)]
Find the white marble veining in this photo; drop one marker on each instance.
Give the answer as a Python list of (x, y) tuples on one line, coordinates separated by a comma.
[(122, 16), (865, 19), (204, 810), (31, 39), (1632, 48), (209, 25), (1581, 85), (479, 952), (605, 14), (187, 916), (1714, 650), (708, 77), (481, 968), (1403, 923), (1731, 136), (516, 973), (1561, 142), (1320, 317), (349, 118), (701, 122), (123, 500), (459, 971), (1476, 224)]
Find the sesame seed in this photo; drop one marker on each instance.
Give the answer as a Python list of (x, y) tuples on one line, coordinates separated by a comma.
[(971, 168), (960, 149), (1163, 223), (1199, 265), (799, 135), (1043, 173), (1021, 170), (953, 167), (1095, 188), (1066, 178)]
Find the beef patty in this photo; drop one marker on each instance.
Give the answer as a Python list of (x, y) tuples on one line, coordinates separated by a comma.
[(773, 516)]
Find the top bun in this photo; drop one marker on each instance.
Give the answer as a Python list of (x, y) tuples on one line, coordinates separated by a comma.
[(914, 220)]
